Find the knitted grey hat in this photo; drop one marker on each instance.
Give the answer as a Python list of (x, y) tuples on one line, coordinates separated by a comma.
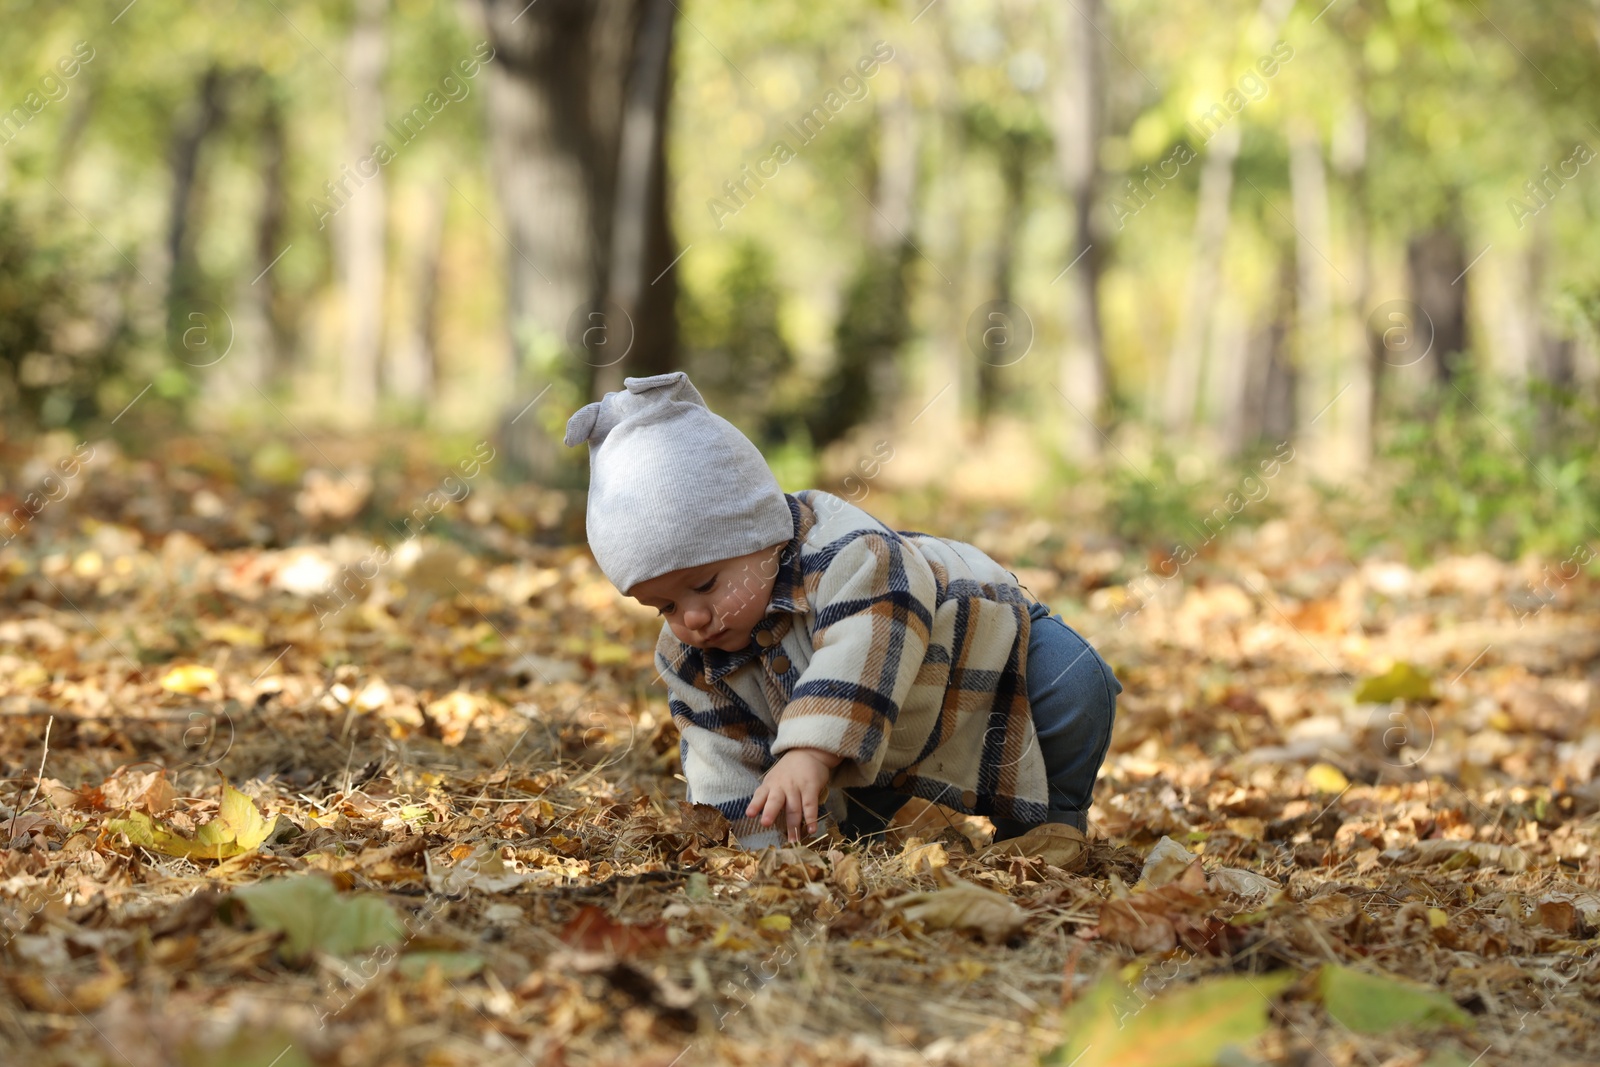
[(672, 484)]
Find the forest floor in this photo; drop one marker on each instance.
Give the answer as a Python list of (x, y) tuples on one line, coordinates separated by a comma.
[(435, 820)]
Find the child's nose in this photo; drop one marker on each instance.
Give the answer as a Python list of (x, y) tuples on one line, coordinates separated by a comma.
[(696, 618)]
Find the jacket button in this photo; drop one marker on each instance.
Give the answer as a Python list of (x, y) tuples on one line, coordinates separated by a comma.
[(900, 779), (969, 799), (780, 664), (766, 638)]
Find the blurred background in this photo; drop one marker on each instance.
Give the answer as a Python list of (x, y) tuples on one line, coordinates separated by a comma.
[(1123, 264)]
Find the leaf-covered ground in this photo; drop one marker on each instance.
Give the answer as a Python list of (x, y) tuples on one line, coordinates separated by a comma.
[(357, 765)]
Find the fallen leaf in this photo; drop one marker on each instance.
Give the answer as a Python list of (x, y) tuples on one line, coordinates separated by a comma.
[(964, 906), (60, 995), (918, 857), (453, 714), (592, 930), (1474, 853), (483, 870), (705, 821), (1246, 885), (1112, 1026), (1166, 863), (1326, 778), (1375, 1003), (1159, 920), (148, 790), (1248, 827), (189, 679), (231, 633), (1403, 681), (237, 829), (313, 915), (449, 965)]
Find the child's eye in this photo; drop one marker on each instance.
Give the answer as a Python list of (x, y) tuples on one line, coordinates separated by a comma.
[(706, 588), (668, 610)]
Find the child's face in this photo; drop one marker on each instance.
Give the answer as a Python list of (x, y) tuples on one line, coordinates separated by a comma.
[(714, 605)]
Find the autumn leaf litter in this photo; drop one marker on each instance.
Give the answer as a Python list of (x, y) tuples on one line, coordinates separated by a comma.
[(440, 825)]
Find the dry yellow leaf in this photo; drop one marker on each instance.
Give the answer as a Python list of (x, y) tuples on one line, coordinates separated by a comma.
[(237, 829), (961, 971), (189, 678), (1248, 827), (964, 906), (1326, 778), (232, 633), (453, 714), (919, 857), (726, 938)]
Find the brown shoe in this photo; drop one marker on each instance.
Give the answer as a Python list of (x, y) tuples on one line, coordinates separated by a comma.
[(1057, 844)]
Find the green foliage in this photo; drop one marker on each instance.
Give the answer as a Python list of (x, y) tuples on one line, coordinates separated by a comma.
[(51, 359), (1518, 477), (735, 347), (1164, 506), (867, 340)]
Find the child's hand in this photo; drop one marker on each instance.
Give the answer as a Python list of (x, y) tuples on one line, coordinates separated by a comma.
[(794, 785)]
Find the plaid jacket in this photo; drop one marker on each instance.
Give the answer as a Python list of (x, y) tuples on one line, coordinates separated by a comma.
[(903, 652)]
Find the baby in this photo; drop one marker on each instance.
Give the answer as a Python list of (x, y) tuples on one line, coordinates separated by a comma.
[(807, 645)]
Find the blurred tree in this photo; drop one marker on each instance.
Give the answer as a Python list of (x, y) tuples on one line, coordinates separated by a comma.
[(271, 227), (200, 120), (1185, 362), (577, 109), (875, 320), (361, 225), (735, 346), (1085, 375), (46, 379), (1436, 266)]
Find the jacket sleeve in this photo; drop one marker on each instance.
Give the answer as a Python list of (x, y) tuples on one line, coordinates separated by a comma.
[(724, 747), (874, 615)]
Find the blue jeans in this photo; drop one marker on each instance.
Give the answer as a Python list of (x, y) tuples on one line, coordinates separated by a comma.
[(1073, 694)]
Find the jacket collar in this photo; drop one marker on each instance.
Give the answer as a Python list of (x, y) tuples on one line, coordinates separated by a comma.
[(788, 598), (788, 585)]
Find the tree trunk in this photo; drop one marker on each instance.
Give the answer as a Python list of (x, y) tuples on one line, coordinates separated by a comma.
[(542, 153), (361, 220), (1316, 359), (1014, 182), (255, 346), (413, 360), (278, 341), (1550, 370), (1278, 379), (578, 105), (1080, 100), (1229, 379), (1435, 261), (641, 233), (875, 319), (189, 136), (947, 242), (1185, 365), (1363, 366)]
